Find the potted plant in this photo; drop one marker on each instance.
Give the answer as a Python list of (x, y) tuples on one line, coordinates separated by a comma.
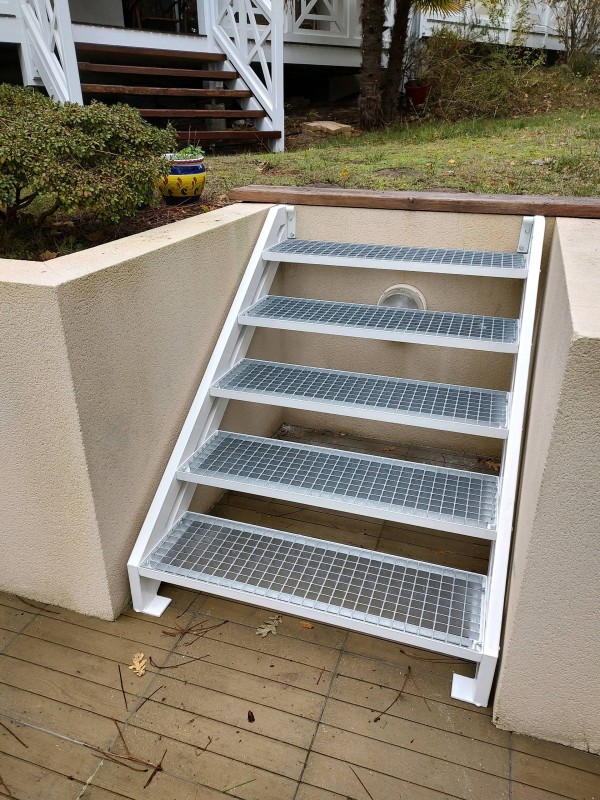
[(417, 84), (187, 173)]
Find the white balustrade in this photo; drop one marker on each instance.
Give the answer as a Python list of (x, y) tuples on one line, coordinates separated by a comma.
[(48, 49), (250, 34), (323, 22)]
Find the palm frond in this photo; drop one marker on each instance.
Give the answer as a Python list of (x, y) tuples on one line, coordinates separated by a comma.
[(440, 6)]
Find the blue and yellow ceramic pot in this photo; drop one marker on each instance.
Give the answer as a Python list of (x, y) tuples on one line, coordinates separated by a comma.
[(185, 181)]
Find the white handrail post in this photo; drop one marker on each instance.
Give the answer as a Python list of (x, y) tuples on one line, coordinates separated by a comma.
[(277, 24), (207, 14), (64, 33)]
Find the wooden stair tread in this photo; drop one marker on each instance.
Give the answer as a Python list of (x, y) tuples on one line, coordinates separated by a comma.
[(171, 72), (162, 91), (205, 113), (149, 52), (228, 135)]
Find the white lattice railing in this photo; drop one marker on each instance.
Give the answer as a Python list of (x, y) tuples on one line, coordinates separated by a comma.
[(48, 49), (323, 22), (250, 34)]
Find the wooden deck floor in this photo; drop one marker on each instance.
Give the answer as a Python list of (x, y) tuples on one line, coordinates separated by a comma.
[(317, 696)]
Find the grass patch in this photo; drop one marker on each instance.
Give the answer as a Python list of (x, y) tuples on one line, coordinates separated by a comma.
[(555, 153)]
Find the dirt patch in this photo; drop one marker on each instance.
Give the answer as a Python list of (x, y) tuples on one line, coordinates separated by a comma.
[(397, 173)]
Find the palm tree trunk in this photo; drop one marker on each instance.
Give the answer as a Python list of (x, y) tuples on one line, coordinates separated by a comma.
[(372, 18), (395, 67)]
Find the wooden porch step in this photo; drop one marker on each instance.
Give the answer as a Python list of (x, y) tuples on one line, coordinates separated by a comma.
[(162, 91), (228, 135), (168, 72), (148, 53), (204, 113)]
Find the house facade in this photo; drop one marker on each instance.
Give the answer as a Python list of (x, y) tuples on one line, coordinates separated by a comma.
[(67, 47)]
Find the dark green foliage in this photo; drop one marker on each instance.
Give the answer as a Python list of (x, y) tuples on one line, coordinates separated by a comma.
[(69, 157)]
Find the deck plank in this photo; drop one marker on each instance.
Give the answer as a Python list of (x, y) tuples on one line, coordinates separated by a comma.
[(336, 775), (27, 781), (407, 765), (418, 736), (189, 762)]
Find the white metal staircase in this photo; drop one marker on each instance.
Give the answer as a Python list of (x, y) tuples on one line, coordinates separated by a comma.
[(426, 605)]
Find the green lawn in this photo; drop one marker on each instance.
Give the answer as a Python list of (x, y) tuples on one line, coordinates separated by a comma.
[(555, 153)]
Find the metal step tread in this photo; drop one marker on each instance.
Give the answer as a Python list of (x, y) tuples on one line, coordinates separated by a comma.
[(338, 253), (355, 319), (328, 388), (336, 580), (431, 496)]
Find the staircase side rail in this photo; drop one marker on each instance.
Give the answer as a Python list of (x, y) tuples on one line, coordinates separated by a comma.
[(250, 32), (477, 690), (172, 496)]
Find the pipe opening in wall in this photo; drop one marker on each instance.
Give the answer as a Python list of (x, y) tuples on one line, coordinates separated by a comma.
[(403, 296)]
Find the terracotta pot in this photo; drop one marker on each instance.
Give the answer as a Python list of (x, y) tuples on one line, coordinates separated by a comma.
[(417, 92)]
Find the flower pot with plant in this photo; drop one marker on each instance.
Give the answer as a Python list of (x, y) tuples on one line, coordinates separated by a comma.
[(187, 173)]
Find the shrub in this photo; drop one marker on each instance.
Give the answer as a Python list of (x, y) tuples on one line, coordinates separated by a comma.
[(471, 79), (69, 157)]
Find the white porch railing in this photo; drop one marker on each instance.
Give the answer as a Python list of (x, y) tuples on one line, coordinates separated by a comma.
[(250, 34), (48, 49), (330, 22)]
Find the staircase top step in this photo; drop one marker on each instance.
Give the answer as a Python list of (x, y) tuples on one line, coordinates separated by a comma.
[(445, 328), (403, 491), (169, 72), (162, 91), (373, 592), (148, 52), (463, 409), (421, 259)]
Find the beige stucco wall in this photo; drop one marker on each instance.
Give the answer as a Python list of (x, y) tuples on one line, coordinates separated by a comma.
[(101, 354), (550, 668)]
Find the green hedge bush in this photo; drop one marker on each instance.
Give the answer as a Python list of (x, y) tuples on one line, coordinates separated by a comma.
[(69, 157)]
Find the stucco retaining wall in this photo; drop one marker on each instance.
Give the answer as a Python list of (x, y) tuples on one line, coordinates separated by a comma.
[(550, 668), (101, 355)]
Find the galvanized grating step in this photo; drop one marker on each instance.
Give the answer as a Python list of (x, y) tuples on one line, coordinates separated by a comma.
[(346, 583), (445, 328), (398, 399), (447, 499), (439, 259)]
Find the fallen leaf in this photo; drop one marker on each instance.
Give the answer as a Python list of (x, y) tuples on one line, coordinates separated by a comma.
[(306, 625), (269, 626), (451, 161), (490, 463), (139, 664), (47, 255), (250, 717)]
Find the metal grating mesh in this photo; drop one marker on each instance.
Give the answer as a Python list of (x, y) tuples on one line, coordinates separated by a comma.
[(417, 490), (387, 591), (414, 255), (333, 387), (442, 324)]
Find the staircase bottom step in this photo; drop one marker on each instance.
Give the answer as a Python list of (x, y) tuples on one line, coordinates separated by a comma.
[(424, 604), (228, 135)]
